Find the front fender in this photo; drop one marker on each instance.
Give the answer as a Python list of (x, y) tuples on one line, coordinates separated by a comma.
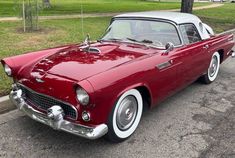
[(16, 63), (133, 86), (110, 85)]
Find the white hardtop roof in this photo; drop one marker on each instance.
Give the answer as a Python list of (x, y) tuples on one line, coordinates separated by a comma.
[(176, 17)]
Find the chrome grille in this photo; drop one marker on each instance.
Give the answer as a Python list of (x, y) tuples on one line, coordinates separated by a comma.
[(44, 102)]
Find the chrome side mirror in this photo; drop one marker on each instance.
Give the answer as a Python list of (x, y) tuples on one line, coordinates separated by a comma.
[(169, 47)]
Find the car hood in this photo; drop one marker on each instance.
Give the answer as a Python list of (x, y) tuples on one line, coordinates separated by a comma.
[(76, 64)]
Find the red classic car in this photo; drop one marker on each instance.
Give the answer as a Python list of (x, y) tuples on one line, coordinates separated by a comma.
[(101, 88)]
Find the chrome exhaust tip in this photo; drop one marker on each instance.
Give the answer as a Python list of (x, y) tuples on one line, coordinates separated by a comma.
[(233, 54)]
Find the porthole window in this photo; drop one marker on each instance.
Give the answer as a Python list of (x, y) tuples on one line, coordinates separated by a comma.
[(201, 27), (189, 33)]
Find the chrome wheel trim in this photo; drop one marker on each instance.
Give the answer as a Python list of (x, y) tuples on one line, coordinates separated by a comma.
[(214, 67), (126, 112), (129, 131)]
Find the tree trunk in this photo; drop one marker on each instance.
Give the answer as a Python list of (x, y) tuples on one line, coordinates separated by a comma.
[(46, 3), (187, 6)]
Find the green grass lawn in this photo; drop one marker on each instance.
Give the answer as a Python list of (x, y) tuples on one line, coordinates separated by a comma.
[(55, 33), (59, 7), (222, 18), (59, 32)]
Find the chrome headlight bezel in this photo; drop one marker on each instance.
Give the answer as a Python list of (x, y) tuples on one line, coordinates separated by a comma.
[(7, 70), (82, 96)]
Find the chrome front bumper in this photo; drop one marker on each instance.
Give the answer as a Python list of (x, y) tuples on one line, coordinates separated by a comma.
[(55, 118)]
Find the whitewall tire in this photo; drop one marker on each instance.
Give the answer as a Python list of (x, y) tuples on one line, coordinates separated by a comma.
[(125, 116), (213, 69)]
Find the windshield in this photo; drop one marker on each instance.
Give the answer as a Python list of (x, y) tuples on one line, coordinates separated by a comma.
[(156, 33)]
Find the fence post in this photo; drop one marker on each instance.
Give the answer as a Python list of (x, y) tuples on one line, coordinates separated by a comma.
[(23, 10)]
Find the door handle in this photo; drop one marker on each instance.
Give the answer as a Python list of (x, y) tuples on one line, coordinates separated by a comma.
[(206, 46)]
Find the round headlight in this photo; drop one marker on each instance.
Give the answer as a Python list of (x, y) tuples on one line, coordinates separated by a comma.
[(7, 70), (82, 96)]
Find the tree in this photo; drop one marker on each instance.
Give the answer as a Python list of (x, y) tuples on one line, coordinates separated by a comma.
[(29, 10), (187, 6), (46, 3)]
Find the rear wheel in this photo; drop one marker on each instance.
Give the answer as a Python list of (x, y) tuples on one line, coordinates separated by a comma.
[(213, 69), (125, 116)]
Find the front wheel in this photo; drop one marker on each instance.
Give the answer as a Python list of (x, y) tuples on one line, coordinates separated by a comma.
[(125, 116), (213, 69)]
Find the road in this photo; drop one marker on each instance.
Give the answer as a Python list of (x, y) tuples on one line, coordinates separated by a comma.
[(196, 122)]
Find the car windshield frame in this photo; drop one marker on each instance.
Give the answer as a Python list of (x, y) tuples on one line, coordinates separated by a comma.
[(139, 42)]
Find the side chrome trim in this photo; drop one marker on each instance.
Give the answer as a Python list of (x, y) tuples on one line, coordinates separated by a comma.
[(164, 65), (55, 118)]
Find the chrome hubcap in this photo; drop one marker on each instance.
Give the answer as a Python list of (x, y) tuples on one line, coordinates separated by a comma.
[(126, 113), (213, 66)]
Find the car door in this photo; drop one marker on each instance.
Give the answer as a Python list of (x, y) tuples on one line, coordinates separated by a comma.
[(171, 73), (170, 66), (195, 50)]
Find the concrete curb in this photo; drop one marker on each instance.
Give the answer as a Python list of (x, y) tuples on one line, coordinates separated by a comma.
[(6, 105), (5, 98)]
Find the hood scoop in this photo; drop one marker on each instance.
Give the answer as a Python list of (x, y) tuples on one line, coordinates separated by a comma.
[(90, 49)]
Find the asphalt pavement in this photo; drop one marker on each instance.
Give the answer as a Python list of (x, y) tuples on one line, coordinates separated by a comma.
[(199, 121)]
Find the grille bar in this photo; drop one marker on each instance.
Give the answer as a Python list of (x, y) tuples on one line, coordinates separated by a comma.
[(44, 102)]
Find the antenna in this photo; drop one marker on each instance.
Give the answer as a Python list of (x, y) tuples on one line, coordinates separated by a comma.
[(82, 20)]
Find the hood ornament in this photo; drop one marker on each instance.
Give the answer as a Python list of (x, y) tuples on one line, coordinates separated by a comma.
[(87, 40), (86, 46)]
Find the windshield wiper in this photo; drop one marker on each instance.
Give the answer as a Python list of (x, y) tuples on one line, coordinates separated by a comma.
[(142, 41), (111, 39)]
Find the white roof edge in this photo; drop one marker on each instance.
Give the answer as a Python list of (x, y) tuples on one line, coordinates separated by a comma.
[(176, 17)]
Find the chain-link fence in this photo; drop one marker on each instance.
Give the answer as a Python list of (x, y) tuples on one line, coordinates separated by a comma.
[(29, 10)]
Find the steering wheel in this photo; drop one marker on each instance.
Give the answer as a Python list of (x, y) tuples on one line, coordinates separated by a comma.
[(158, 43), (149, 37)]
